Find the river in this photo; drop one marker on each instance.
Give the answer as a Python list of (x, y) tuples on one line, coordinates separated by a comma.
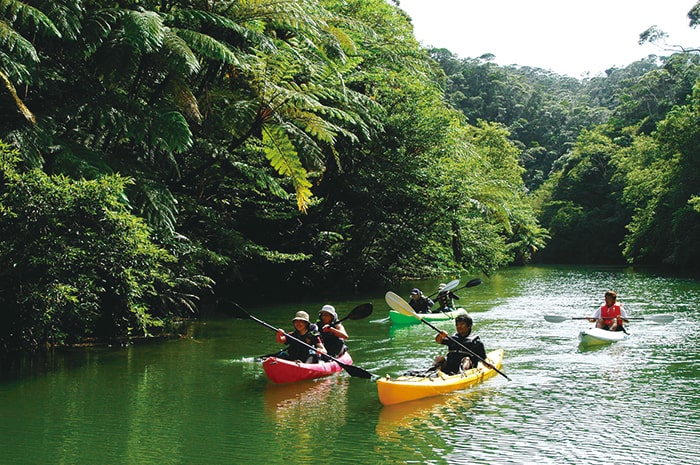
[(205, 400)]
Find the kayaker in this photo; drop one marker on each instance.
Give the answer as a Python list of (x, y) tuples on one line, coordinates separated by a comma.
[(332, 331), (610, 315), (445, 299), (459, 359), (305, 332), (420, 303)]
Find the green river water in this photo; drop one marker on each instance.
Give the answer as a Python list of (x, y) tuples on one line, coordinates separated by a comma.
[(205, 400)]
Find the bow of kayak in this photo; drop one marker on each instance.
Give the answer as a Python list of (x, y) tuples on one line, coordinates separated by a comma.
[(597, 336), (406, 388), (401, 319), (280, 371)]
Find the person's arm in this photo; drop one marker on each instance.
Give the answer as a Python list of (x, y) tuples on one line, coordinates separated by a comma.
[(441, 336), (281, 336), (338, 330), (623, 314), (320, 348), (455, 296)]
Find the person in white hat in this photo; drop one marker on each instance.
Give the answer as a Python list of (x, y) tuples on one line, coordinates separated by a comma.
[(445, 299), (305, 332), (333, 333)]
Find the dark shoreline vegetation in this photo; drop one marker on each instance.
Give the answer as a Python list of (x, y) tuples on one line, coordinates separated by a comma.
[(160, 159)]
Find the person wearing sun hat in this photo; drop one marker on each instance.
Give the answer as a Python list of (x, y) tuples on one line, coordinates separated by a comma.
[(332, 331), (303, 331), (445, 299)]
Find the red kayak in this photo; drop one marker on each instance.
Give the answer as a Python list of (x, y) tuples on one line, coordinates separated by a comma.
[(284, 371)]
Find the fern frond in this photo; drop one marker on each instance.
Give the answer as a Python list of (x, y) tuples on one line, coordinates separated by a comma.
[(13, 42), (144, 30), (285, 160), (180, 50), (23, 15), (208, 46), (185, 100), (171, 132)]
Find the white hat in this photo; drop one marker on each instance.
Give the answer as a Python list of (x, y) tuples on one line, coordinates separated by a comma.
[(330, 310), (442, 286)]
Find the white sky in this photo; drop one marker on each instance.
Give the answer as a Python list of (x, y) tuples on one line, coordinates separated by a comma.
[(570, 37)]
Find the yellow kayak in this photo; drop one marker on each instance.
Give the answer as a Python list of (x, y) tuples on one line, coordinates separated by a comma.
[(405, 388)]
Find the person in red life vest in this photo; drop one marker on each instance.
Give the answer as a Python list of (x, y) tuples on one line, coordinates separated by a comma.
[(610, 315)]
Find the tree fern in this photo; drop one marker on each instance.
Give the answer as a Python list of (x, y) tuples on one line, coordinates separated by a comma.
[(285, 160)]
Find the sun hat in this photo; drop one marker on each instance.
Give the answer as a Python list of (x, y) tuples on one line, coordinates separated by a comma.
[(330, 310), (301, 315)]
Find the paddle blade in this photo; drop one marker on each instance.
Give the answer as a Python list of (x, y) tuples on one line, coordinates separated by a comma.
[(555, 318), (660, 318), (473, 282), (451, 285), (398, 304), (361, 311), (357, 372)]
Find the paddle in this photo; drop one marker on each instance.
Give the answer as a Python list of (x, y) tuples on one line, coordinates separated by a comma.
[(448, 287), (352, 370), (357, 313), (471, 283), (401, 306), (654, 318)]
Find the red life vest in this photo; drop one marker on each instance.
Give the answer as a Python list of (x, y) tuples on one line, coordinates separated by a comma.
[(609, 313)]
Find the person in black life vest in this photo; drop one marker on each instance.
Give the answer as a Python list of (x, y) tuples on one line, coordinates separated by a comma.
[(445, 300), (420, 303), (305, 332), (611, 315), (457, 358), (332, 332)]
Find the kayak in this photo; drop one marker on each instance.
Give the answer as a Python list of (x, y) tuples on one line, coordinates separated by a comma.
[(409, 387), (281, 371), (595, 336), (401, 319)]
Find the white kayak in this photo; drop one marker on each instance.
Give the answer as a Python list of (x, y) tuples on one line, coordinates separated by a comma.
[(593, 336)]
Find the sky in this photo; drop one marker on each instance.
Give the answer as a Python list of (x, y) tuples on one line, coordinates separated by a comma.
[(570, 37)]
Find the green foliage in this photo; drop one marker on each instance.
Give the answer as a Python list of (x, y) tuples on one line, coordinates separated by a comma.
[(75, 264)]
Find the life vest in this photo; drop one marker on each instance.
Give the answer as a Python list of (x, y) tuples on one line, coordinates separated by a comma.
[(299, 351), (608, 314), (334, 345)]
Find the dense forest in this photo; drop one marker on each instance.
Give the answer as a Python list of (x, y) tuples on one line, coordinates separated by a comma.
[(161, 158)]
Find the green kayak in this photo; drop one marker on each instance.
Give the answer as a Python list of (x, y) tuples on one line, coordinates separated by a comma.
[(401, 319)]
